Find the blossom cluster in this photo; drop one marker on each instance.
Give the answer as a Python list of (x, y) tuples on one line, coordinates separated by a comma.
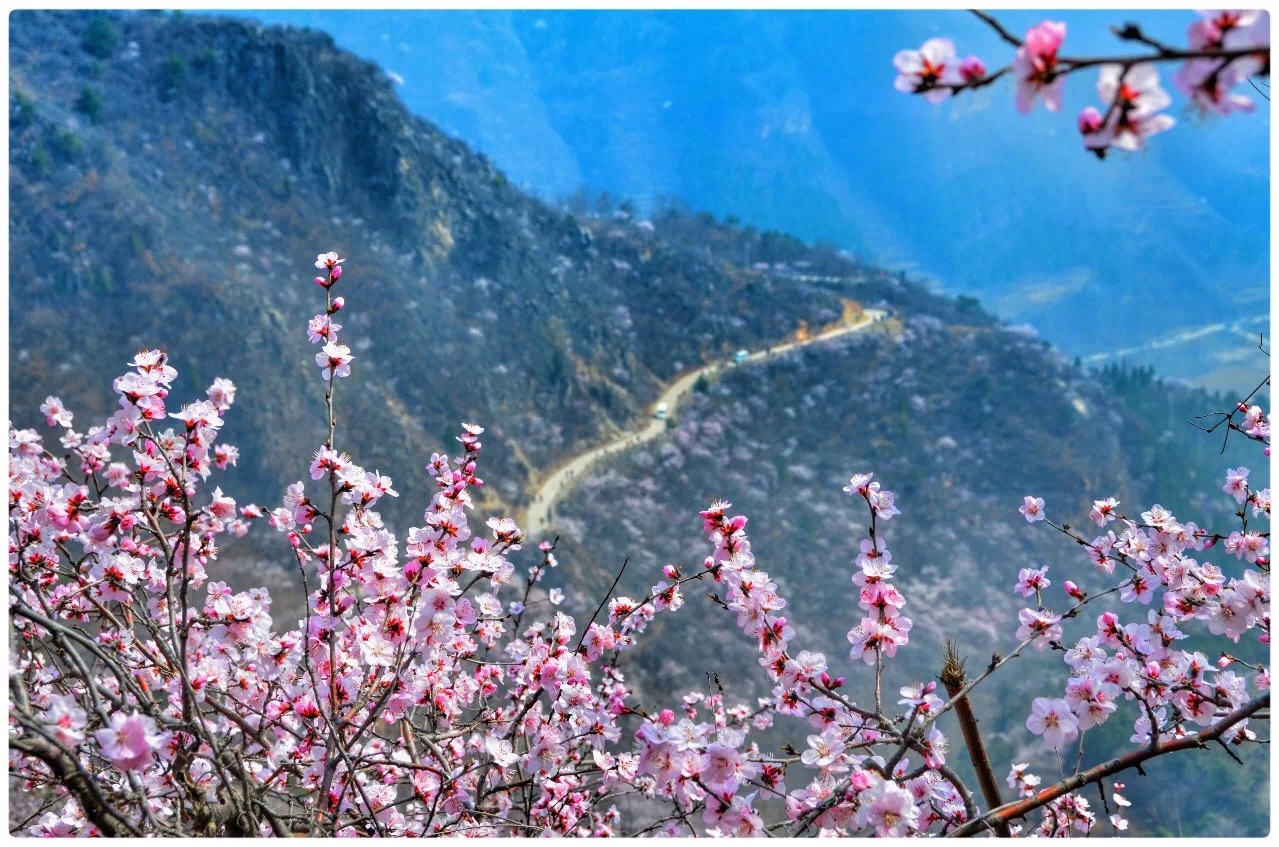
[(433, 689), (1225, 49), (1135, 658)]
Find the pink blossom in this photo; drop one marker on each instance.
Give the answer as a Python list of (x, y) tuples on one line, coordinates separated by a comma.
[(888, 809), (55, 414), (129, 741), (859, 484), (1032, 509), (221, 394), (322, 328), (1210, 86), (1035, 67), (930, 70), (1053, 720), (1031, 581), (1103, 511), (1237, 484), (1041, 625), (328, 261), (1092, 128), (1216, 27), (335, 360), (1134, 102)]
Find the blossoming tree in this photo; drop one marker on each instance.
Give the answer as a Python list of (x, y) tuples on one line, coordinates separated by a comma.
[(432, 689), (1225, 50)]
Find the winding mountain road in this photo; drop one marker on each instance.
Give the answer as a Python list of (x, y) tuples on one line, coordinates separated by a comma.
[(564, 478)]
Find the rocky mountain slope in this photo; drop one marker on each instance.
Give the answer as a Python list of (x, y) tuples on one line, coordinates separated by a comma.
[(179, 211), (790, 120), (171, 175)]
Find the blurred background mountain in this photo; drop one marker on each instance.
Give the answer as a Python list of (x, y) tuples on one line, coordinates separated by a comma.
[(790, 122)]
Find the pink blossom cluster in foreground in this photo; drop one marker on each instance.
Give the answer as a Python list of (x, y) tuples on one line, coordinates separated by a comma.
[(1224, 49), (434, 687)]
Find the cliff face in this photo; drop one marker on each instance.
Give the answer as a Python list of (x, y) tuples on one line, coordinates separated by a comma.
[(168, 188)]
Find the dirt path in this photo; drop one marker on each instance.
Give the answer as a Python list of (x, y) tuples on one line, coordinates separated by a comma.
[(564, 478)]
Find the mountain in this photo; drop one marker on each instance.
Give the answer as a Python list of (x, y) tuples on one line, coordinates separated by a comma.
[(171, 175), (180, 213), (789, 121)]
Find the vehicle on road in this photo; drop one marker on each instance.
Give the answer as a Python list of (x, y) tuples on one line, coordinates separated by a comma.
[(660, 411)]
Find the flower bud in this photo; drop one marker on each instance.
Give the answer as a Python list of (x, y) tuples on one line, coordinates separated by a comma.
[(1090, 121), (666, 718), (1073, 590), (335, 273), (972, 69), (322, 282), (338, 303)]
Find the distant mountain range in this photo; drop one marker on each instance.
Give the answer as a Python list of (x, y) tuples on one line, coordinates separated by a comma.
[(789, 121)]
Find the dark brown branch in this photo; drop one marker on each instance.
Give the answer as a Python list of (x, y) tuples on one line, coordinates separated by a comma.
[(1133, 32), (990, 21), (954, 677), (603, 602), (1021, 808), (80, 783)]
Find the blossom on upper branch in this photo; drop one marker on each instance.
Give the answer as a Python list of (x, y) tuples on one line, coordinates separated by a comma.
[(1226, 28), (1134, 102), (1035, 67), (928, 70), (1210, 86)]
